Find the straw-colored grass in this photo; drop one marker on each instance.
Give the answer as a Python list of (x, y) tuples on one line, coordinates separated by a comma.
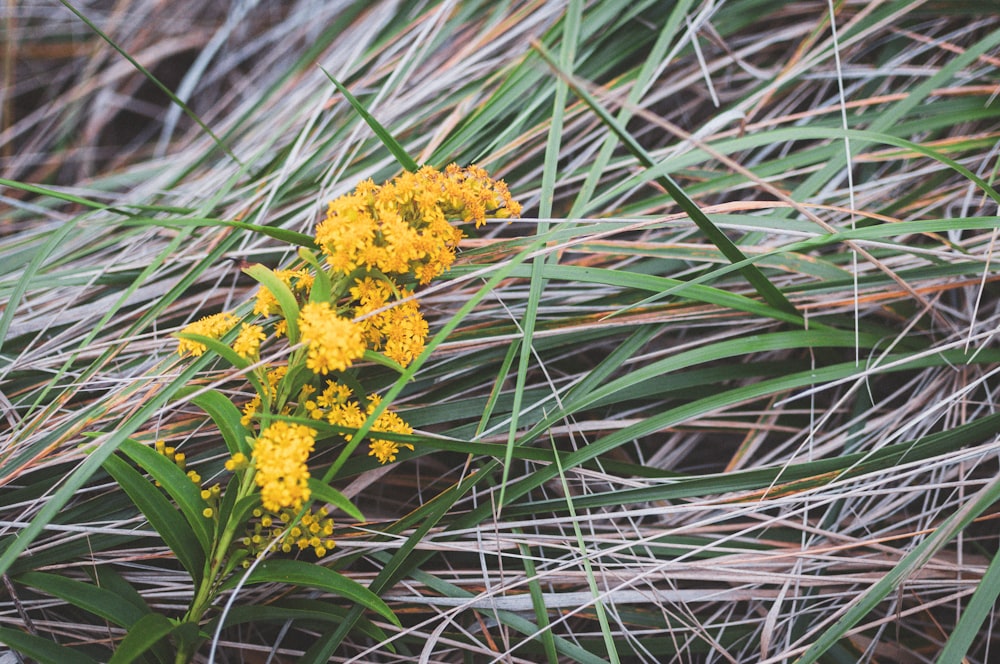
[(725, 393)]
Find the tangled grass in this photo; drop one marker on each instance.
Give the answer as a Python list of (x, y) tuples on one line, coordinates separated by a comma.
[(725, 393)]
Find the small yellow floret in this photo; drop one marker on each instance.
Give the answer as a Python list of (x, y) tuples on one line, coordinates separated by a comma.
[(238, 461)]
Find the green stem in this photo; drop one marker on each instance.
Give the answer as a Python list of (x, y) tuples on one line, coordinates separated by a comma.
[(207, 590)]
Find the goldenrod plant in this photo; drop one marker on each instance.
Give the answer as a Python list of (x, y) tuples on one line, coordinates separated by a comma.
[(723, 391), (346, 304)]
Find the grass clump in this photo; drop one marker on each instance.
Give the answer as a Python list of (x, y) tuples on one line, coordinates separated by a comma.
[(723, 391)]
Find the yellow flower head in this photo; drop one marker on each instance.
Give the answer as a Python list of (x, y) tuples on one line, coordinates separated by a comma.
[(247, 344), (400, 331), (333, 342), (386, 450), (280, 454), (238, 461), (404, 227), (214, 326)]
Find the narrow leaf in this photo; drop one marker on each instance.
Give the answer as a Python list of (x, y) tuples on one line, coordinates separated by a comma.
[(281, 292), (391, 144), (42, 650), (164, 517), (326, 493), (144, 635), (308, 575), (186, 494), (86, 596)]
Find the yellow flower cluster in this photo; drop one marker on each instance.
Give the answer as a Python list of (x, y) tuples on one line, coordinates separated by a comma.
[(179, 458), (334, 342), (398, 331), (214, 326), (247, 344), (274, 377), (375, 244), (402, 227), (314, 531), (336, 406), (280, 454)]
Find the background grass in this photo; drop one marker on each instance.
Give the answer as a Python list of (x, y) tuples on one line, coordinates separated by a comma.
[(634, 444)]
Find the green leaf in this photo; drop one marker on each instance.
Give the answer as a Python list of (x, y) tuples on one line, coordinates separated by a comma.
[(322, 288), (163, 516), (226, 416), (42, 650), (327, 494), (186, 494), (144, 635), (309, 575), (107, 578), (301, 609), (98, 601), (391, 144), (382, 359), (221, 349), (286, 300)]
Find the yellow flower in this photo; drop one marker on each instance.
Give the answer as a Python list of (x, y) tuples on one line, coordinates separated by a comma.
[(238, 461), (247, 343), (214, 326), (280, 454), (400, 331), (333, 342), (249, 410), (386, 450), (403, 226)]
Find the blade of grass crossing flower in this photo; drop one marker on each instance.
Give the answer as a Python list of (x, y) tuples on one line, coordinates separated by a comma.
[(771, 294), (152, 79), (602, 617), (391, 144)]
